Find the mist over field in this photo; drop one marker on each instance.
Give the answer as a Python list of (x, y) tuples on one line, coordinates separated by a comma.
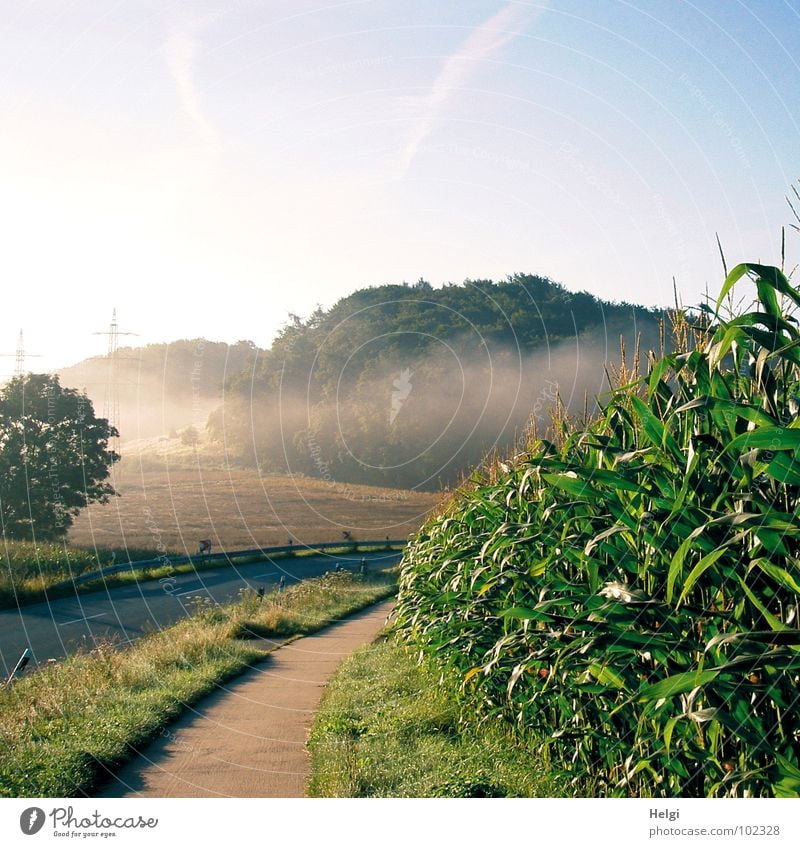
[(398, 386), (160, 390), (412, 386), (422, 423)]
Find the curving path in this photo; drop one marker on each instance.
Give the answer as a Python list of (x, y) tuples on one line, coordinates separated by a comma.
[(248, 739)]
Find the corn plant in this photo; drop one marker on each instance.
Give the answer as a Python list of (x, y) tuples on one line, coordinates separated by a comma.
[(630, 593)]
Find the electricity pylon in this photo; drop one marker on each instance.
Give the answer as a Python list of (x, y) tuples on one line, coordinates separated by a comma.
[(111, 398), (20, 355)]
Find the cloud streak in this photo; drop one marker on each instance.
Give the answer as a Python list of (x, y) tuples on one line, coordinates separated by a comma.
[(180, 51), (483, 42)]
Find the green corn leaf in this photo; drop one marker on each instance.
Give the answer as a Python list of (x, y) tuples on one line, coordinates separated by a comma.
[(780, 575), (755, 637), (775, 279), (787, 767), (772, 541), (766, 438), (787, 787), (658, 370), (768, 616), (669, 729), (699, 569), (788, 351), (607, 676), (741, 410), (784, 468), (771, 278), (733, 277), (789, 784), (607, 533), (614, 479), (768, 298), (717, 352), (773, 346), (676, 564), (780, 324), (677, 684), (655, 429), (520, 613), (572, 485), (742, 729)]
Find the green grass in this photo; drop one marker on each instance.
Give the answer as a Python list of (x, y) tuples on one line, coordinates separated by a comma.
[(64, 727), (35, 573), (29, 570), (390, 727), (310, 605)]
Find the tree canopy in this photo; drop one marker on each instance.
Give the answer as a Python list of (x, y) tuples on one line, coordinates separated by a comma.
[(54, 457), (410, 385)]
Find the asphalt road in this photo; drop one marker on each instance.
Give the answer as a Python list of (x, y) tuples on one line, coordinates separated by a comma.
[(54, 630)]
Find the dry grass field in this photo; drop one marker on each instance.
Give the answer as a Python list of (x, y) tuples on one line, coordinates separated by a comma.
[(168, 507)]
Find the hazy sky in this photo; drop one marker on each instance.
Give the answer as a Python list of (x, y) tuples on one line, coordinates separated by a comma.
[(209, 166)]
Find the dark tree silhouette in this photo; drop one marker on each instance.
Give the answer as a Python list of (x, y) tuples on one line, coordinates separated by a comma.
[(54, 457)]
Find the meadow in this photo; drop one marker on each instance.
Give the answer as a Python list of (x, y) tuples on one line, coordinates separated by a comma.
[(164, 507)]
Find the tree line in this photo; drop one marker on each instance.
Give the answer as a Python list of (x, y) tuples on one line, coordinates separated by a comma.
[(410, 385)]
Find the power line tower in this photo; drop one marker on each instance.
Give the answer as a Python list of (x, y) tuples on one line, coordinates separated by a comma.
[(111, 396), (20, 355)]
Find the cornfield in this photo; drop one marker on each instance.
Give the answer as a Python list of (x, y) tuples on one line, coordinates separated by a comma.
[(628, 591)]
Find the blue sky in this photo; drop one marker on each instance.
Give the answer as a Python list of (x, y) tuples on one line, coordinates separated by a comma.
[(208, 167)]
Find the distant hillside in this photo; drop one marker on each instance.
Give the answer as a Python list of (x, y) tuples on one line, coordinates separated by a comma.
[(395, 385), (409, 386), (161, 388)]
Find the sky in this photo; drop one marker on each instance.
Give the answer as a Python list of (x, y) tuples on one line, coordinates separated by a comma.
[(209, 167)]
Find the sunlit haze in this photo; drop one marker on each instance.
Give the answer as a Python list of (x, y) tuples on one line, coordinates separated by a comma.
[(209, 167)]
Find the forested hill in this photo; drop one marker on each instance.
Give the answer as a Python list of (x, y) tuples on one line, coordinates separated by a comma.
[(410, 385), (160, 387)]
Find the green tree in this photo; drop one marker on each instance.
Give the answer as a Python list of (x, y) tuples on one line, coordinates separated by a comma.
[(54, 457)]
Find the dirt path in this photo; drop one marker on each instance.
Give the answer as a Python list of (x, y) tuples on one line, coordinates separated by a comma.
[(248, 740)]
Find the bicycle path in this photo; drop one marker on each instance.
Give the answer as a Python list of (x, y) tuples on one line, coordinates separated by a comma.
[(249, 738)]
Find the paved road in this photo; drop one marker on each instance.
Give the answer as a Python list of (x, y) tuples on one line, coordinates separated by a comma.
[(54, 630)]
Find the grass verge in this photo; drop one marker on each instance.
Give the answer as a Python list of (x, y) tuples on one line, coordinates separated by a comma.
[(34, 574), (390, 727), (29, 571), (66, 727)]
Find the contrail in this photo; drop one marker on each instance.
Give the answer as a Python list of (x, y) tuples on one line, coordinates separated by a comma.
[(180, 50), (482, 43)]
